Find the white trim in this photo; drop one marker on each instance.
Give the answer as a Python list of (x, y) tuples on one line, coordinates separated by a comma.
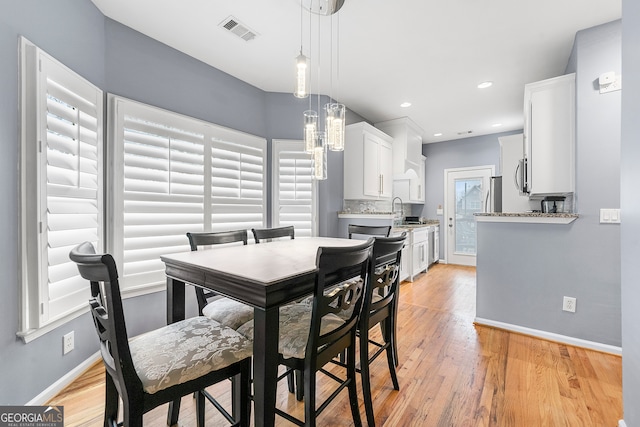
[(550, 336), (621, 423), (528, 219), (67, 379)]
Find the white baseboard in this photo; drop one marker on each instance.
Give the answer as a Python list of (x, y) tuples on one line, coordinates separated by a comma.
[(621, 423), (550, 336), (67, 379)]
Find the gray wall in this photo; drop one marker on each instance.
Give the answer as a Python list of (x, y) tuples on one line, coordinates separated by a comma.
[(124, 62), (524, 270), (630, 203), (468, 152), (72, 31)]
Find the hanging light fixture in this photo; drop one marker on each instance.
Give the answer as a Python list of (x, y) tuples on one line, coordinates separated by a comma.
[(302, 69), (310, 130), (335, 112), (320, 157)]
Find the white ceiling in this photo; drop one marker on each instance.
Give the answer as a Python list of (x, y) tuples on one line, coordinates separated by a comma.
[(430, 53)]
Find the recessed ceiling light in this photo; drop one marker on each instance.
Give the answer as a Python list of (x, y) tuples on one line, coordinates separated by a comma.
[(495, 125), (485, 85), (405, 104), (437, 134)]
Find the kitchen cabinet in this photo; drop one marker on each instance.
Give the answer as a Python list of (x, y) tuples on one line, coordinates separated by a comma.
[(549, 136), (420, 251), (407, 146), (368, 163), (411, 190)]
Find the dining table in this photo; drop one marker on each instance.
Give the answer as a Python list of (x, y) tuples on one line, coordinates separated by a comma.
[(265, 276)]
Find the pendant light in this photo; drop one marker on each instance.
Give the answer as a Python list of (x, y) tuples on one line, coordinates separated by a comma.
[(320, 157), (302, 69), (334, 112), (310, 130)]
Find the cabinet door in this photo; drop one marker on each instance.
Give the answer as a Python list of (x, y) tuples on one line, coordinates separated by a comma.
[(385, 162), (404, 263), (372, 182)]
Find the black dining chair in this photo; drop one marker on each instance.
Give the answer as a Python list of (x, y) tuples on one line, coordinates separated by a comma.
[(369, 230), (165, 364), (311, 336), (225, 310), (262, 234), (380, 308)]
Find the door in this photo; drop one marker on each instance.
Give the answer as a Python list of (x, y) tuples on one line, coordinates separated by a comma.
[(371, 154), (385, 168), (465, 194)]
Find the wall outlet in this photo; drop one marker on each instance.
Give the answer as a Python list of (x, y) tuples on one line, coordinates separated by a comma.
[(569, 304), (67, 343)]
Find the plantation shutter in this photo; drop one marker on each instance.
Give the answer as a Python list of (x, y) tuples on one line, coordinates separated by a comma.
[(294, 195), (238, 177), (71, 183), (163, 193)]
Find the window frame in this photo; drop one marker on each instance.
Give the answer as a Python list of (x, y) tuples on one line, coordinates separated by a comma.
[(36, 317)]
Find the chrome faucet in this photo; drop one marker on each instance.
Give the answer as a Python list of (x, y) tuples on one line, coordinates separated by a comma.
[(393, 208)]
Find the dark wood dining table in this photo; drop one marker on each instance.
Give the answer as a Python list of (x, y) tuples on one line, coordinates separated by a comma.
[(265, 276)]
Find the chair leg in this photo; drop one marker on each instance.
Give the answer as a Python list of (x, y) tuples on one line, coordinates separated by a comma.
[(174, 412), (391, 360), (111, 402), (240, 389), (366, 380), (291, 383), (351, 375), (310, 394), (132, 415), (299, 385), (199, 409)]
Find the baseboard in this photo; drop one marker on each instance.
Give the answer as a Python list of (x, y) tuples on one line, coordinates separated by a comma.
[(67, 379), (550, 336), (621, 423)]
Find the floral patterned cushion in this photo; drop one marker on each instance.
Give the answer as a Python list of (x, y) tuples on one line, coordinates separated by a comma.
[(295, 323), (184, 351), (228, 312)]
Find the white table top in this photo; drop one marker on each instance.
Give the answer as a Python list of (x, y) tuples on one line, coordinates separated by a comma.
[(265, 262)]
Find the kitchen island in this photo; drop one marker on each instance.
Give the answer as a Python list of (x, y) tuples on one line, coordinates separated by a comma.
[(528, 262)]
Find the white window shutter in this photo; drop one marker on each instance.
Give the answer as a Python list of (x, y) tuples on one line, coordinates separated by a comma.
[(71, 209), (294, 188)]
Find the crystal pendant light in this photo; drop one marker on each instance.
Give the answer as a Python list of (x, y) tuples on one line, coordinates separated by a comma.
[(302, 77), (335, 126), (320, 157), (310, 130)]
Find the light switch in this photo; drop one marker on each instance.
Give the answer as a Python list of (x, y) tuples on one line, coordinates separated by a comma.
[(609, 216)]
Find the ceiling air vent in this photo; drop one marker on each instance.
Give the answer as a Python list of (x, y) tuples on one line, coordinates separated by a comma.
[(236, 27), (465, 132)]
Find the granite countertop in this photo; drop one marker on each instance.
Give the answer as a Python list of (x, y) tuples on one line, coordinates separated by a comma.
[(528, 214), (527, 217)]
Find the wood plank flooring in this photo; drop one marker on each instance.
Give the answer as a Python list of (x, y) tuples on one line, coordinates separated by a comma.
[(452, 373)]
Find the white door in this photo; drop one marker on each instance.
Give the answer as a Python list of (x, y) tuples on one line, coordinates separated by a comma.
[(465, 194)]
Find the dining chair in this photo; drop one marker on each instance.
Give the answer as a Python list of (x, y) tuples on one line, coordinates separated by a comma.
[(226, 311), (380, 308), (311, 338), (262, 234), (164, 364), (369, 230)]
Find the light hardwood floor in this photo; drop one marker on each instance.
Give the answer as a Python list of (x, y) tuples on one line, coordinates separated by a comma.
[(451, 373)]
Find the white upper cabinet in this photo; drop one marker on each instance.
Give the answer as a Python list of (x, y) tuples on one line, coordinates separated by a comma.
[(408, 163), (411, 190), (549, 136), (368, 163)]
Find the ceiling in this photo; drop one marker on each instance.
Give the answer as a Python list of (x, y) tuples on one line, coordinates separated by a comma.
[(375, 54)]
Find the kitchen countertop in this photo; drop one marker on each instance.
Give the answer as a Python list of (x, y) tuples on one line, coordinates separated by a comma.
[(527, 217)]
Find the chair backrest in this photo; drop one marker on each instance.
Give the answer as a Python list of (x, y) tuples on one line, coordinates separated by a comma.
[(383, 278), (108, 314), (209, 238), (261, 234), (348, 266), (369, 230)]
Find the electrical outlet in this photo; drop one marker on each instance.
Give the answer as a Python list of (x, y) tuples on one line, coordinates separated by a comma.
[(67, 343), (569, 304)]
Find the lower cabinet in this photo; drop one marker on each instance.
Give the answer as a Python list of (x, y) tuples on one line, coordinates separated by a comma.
[(415, 254)]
